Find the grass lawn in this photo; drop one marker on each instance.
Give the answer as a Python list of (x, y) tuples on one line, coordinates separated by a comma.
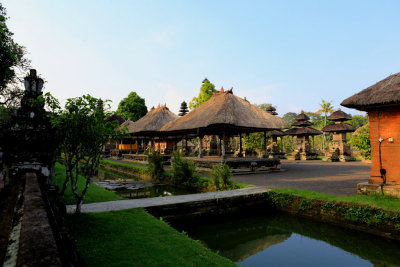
[(95, 193), (124, 164), (384, 202), (135, 238)]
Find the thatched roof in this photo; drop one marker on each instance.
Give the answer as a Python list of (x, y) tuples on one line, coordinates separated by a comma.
[(302, 131), (338, 128), (383, 93), (276, 133), (126, 124), (302, 117), (115, 117), (152, 122), (302, 123), (339, 116), (225, 111)]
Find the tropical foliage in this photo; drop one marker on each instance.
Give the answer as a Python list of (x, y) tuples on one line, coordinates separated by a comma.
[(206, 91), (361, 140), (132, 107), (222, 174)]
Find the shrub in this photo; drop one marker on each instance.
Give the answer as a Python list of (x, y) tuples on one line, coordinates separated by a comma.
[(221, 174), (156, 165), (183, 170), (362, 141)]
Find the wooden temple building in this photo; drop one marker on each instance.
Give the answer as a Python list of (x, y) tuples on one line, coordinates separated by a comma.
[(226, 115), (145, 133), (382, 103), (304, 149), (339, 150)]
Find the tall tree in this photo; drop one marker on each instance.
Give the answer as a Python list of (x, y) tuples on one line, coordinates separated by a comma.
[(206, 91), (12, 60), (133, 107), (326, 107), (83, 132), (289, 117)]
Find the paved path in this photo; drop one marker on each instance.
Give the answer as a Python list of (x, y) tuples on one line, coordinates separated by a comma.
[(336, 178), (161, 201)]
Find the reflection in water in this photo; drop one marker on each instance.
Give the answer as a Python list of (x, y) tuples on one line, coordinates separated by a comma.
[(283, 240), (144, 188)]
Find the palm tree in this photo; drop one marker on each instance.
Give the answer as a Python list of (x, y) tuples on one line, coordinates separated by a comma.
[(326, 107)]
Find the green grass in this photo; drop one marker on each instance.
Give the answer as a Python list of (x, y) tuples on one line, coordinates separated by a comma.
[(95, 193), (135, 238), (378, 201), (124, 164)]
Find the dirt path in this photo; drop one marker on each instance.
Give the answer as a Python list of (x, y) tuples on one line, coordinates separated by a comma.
[(337, 178)]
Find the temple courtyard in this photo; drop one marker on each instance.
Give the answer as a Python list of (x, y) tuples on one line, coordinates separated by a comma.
[(336, 178)]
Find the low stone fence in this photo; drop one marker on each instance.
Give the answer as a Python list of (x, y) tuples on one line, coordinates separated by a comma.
[(354, 216)]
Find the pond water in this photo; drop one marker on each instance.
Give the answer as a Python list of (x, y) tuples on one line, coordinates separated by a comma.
[(280, 239), (142, 188)]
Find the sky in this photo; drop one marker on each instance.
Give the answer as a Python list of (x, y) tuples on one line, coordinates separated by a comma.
[(291, 54)]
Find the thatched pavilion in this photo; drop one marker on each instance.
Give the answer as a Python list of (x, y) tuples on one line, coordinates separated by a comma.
[(225, 114), (304, 149), (338, 149), (382, 102), (147, 129)]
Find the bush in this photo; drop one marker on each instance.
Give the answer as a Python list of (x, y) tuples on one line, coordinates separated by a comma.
[(221, 174), (156, 165), (183, 170), (362, 142)]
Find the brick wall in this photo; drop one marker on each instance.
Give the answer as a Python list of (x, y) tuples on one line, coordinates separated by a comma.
[(387, 121)]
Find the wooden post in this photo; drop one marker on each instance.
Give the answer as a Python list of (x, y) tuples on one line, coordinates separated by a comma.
[(240, 146), (137, 145), (223, 145), (265, 145), (200, 146)]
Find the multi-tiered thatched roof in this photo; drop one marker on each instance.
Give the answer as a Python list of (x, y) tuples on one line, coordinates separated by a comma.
[(225, 112), (302, 129), (339, 127), (151, 123), (383, 93)]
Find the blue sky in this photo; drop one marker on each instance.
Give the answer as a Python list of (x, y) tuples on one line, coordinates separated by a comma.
[(288, 53)]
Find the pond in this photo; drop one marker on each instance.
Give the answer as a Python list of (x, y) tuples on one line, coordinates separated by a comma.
[(134, 187), (279, 239)]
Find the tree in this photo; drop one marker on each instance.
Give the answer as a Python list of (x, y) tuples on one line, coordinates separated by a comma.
[(83, 134), (358, 121), (132, 107), (206, 91), (264, 106), (290, 117), (361, 140), (326, 107), (11, 60)]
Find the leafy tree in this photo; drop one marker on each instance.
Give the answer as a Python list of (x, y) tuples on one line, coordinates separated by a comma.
[(12, 59), (206, 91), (83, 132), (289, 117), (362, 141), (133, 107), (358, 120), (263, 106)]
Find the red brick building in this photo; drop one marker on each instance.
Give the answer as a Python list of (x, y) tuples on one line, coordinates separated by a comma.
[(382, 103)]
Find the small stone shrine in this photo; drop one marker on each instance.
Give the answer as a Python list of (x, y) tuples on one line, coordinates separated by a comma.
[(27, 139), (338, 149), (304, 149)]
